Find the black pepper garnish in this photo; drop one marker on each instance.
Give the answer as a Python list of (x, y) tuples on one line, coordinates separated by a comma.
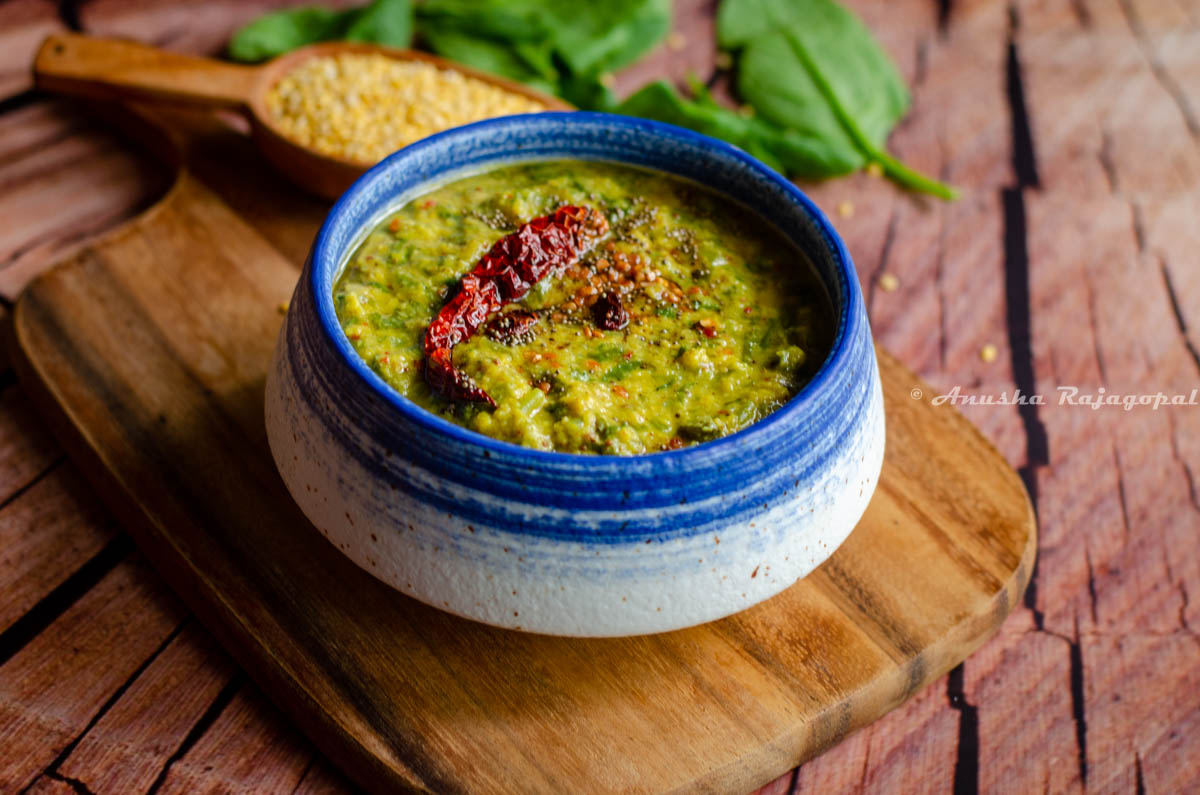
[(515, 327)]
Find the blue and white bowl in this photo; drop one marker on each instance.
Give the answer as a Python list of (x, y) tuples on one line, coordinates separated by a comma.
[(558, 543)]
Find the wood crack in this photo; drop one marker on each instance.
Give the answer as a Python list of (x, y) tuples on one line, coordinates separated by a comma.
[(1087, 556), (59, 600), (37, 478), (112, 699), (1016, 289), (1177, 310), (68, 14), (1105, 156), (1187, 470), (1094, 326), (20, 100), (1079, 703), (218, 705), (312, 761), (1082, 15), (1184, 598), (885, 252), (966, 763), (944, 9), (1159, 69), (794, 781), (74, 783), (1121, 492)]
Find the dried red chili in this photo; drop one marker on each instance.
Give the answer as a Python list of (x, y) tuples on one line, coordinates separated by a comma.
[(512, 328), (503, 275)]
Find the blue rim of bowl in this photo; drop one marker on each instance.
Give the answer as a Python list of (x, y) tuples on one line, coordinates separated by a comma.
[(850, 311)]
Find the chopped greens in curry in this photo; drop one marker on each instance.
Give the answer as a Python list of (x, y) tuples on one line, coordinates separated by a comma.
[(665, 315)]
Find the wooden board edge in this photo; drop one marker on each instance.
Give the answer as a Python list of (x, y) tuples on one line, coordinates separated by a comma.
[(937, 659), (363, 767)]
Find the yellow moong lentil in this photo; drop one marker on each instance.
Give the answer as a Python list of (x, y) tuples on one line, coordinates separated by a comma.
[(364, 106)]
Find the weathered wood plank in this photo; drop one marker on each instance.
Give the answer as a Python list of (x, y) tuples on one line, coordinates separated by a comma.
[(26, 449), (248, 748), (1116, 507), (52, 688), (23, 25), (193, 27), (49, 785), (46, 534), (906, 751), (63, 179), (131, 744), (322, 778), (950, 301)]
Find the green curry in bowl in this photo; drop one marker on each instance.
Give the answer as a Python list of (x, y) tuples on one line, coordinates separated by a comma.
[(683, 318)]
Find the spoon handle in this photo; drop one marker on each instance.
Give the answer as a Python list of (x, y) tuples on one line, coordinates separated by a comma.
[(123, 70)]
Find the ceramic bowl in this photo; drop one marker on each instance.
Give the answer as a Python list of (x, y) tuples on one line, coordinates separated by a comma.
[(558, 543)]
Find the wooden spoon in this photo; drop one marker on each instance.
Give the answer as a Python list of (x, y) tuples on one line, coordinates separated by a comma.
[(121, 70)]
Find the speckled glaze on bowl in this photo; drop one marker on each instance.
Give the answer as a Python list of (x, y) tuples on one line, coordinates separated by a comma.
[(559, 543)]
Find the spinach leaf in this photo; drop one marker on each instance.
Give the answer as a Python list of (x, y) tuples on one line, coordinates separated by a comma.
[(386, 22), (789, 151), (488, 55), (618, 371), (560, 48), (598, 37), (500, 20), (812, 66), (588, 92), (283, 31), (783, 92)]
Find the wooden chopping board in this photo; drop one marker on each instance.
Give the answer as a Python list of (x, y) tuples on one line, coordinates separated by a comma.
[(148, 351)]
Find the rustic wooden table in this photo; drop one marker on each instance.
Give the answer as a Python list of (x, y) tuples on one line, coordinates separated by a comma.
[(1073, 128)]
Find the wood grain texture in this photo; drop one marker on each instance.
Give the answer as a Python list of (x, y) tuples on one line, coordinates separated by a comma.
[(47, 533), (1103, 110), (109, 634), (161, 395), (63, 179), (143, 731), (23, 25)]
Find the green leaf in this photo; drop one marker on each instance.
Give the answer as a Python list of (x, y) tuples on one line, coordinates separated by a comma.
[(553, 45), (791, 151), (775, 72), (741, 21), (772, 81), (486, 54), (811, 66), (597, 37), (587, 93), (503, 20), (387, 22), (283, 31)]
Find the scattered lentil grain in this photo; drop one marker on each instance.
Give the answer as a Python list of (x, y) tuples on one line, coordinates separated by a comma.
[(889, 283), (988, 353)]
